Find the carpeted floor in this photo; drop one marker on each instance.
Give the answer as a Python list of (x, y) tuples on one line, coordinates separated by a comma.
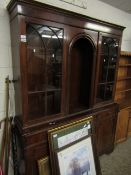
[(119, 161)]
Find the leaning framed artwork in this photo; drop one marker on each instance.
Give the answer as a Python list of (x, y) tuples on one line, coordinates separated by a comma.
[(72, 143), (69, 133), (44, 166), (77, 159)]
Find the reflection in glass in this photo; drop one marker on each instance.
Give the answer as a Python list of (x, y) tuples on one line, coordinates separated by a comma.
[(44, 62), (108, 58), (100, 93), (109, 91), (105, 92), (109, 53), (36, 104)]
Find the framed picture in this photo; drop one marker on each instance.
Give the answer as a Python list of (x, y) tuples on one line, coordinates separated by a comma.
[(79, 3), (73, 141), (67, 134), (77, 159), (44, 166)]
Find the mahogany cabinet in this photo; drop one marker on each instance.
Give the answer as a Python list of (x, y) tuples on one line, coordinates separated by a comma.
[(64, 68)]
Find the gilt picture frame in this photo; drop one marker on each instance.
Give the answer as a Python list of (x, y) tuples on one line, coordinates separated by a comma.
[(69, 133), (44, 166), (65, 136)]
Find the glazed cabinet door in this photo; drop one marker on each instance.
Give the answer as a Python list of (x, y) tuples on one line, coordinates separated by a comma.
[(43, 60), (108, 63)]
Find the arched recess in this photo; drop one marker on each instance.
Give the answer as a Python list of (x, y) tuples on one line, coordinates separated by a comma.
[(81, 59)]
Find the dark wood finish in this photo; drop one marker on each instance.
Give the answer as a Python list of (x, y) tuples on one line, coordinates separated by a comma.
[(105, 122), (38, 106)]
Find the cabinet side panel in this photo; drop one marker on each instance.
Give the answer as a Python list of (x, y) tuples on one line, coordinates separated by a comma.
[(16, 65), (122, 124), (129, 125)]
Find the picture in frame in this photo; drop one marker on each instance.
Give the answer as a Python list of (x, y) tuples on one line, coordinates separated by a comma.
[(44, 166), (69, 133), (79, 3), (63, 137), (77, 159)]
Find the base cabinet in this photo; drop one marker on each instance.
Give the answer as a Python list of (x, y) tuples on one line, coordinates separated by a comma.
[(35, 141)]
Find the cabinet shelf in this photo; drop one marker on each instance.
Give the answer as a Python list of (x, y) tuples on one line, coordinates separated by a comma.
[(122, 91), (124, 78), (110, 67), (124, 103), (48, 90), (106, 83)]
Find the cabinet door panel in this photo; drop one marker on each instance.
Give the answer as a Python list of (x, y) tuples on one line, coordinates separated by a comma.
[(108, 61), (105, 131), (44, 69), (122, 125)]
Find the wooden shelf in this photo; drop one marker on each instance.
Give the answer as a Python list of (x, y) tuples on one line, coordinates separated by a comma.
[(123, 78), (125, 65), (123, 84), (125, 53), (124, 103), (122, 91), (48, 90), (104, 83)]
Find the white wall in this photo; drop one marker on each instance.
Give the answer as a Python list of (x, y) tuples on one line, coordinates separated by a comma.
[(5, 65), (94, 9), (5, 57)]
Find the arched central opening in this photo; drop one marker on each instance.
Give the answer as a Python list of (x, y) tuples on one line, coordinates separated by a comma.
[(81, 64)]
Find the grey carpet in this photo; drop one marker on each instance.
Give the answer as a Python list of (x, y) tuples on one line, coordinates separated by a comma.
[(119, 161)]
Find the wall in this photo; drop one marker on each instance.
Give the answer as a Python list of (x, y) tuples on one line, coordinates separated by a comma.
[(5, 65), (94, 9)]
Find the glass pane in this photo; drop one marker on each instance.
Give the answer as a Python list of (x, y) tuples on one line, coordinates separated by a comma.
[(108, 59), (53, 102), (104, 92), (109, 91), (36, 105), (111, 74), (101, 93), (103, 70), (35, 60), (44, 66), (54, 61), (113, 50)]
